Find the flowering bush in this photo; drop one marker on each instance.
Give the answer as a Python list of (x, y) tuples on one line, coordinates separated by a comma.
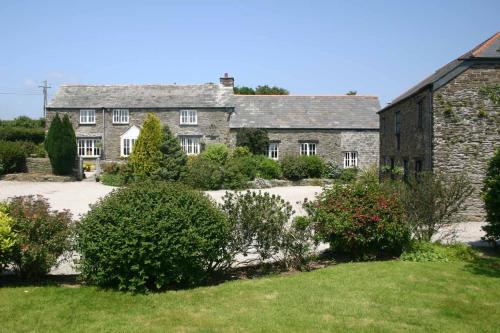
[(7, 236), (360, 219)]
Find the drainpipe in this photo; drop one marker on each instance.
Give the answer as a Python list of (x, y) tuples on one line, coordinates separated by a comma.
[(103, 150), (431, 134)]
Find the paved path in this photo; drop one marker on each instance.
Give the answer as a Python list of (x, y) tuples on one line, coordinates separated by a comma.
[(77, 196)]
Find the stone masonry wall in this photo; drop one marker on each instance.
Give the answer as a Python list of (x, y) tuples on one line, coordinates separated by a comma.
[(330, 143), (212, 127), (467, 130), (414, 141)]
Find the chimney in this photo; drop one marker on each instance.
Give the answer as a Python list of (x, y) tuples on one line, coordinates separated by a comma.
[(227, 81)]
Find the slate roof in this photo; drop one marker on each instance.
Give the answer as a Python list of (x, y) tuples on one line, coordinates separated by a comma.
[(141, 96), (314, 112), (489, 49)]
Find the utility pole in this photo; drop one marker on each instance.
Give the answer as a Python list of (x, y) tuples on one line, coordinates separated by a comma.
[(44, 88)]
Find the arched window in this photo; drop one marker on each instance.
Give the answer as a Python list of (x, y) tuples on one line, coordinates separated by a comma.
[(128, 139)]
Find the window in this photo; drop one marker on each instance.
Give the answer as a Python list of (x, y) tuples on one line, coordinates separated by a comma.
[(273, 151), (420, 112), (397, 129), (307, 149), (120, 116), (89, 147), (191, 145), (189, 117), (127, 146), (87, 116), (350, 159)]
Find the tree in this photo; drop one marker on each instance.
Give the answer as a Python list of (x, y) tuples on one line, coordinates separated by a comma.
[(60, 145), (260, 90), (255, 139), (352, 93), (146, 156), (173, 160), (491, 195)]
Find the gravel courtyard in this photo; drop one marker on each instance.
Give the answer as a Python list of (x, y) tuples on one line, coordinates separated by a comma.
[(77, 196)]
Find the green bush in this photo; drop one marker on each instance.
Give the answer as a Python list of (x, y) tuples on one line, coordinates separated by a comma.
[(259, 231), (360, 219), (296, 167), (112, 179), (217, 153), (149, 236), (203, 174), (146, 155), (42, 235), (238, 170), (332, 170), (435, 252), (491, 196), (24, 121), (7, 237), (348, 175), (268, 168), (35, 135), (255, 139), (12, 157), (61, 145)]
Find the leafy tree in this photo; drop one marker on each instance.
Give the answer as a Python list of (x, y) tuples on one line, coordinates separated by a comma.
[(255, 139), (491, 195), (173, 159), (352, 93), (146, 157), (260, 90), (60, 145)]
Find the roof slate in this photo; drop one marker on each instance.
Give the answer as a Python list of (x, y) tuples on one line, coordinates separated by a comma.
[(314, 112), (489, 49), (141, 96)]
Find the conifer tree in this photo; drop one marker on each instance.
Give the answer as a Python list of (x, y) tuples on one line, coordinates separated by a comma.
[(173, 158), (60, 145), (146, 155)]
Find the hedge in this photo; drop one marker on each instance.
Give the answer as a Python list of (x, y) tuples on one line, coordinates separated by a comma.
[(36, 135)]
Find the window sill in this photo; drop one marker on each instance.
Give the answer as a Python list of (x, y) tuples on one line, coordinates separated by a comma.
[(188, 124), (86, 124)]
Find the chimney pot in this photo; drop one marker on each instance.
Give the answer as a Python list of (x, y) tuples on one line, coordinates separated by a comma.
[(227, 81)]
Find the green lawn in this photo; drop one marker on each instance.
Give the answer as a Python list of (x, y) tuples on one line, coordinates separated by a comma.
[(389, 296)]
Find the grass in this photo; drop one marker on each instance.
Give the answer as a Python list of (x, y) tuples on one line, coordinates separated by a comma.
[(389, 296)]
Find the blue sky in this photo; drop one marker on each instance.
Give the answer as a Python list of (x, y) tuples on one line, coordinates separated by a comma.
[(309, 47)]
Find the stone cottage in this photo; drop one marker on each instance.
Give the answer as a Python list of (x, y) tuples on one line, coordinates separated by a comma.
[(107, 119), (448, 122)]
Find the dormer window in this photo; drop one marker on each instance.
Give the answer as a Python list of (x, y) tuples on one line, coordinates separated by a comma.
[(189, 117), (87, 116), (120, 116)]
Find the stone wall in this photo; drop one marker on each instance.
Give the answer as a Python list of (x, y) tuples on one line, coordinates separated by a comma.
[(38, 165), (212, 127), (415, 141), (330, 143), (467, 130)]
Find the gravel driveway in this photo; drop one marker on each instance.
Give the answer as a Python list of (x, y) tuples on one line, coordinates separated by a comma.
[(77, 196)]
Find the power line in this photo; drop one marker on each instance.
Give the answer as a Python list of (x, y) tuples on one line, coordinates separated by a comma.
[(15, 93), (44, 88)]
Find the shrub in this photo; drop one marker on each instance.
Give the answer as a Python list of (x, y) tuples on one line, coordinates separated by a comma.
[(238, 170), (315, 166), (35, 135), (348, 175), (217, 153), (332, 170), (146, 155), (259, 231), (255, 139), (7, 237), (491, 196), (24, 121), (432, 202), (360, 219), (296, 167), (149, 236), (12, 157), (42, 235), (268, 168), (173, 159), (61, 145), (111, 179), (203, 174), (435, 252)]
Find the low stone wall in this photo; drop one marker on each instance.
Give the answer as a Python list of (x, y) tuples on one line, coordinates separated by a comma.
[(38, 165), (37, 177)]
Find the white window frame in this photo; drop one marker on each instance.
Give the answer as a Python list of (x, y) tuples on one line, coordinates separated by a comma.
[(120, 116), (190, 144), (88, 147), (273, 151), (350, 159), (188, 117), (308, 148), (127, 146), (87, 116)]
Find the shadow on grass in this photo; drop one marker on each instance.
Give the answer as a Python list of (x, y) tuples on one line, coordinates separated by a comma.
[(49, 280), (487, 263)]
